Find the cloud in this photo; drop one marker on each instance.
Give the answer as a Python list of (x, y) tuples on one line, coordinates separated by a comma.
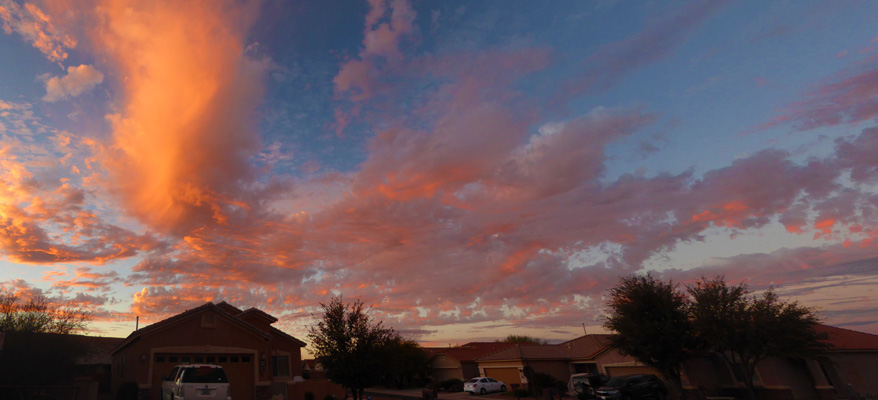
[(847, 97), (45, 214), (605, 67), (473, 205), (77, 81), (185, 133), (36, 27)]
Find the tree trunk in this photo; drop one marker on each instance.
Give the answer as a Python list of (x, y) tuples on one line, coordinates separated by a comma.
[(749, 371)]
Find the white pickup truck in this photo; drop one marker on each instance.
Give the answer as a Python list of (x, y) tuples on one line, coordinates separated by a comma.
[(196, 381)]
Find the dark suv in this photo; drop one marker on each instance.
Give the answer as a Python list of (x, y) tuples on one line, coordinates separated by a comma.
[(632, 387)]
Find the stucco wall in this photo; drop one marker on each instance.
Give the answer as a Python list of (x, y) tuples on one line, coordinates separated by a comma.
[(137, 361), (858, 369)]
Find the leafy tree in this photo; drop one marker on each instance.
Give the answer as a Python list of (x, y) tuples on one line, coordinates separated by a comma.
[(404, 361), (745, 330), (37, 334), (350, 346), (650, 323), (37, 315), (523, 339)]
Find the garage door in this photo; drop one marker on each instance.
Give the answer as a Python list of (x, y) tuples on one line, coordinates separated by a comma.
[(509, 376), (238, 368), (632, 370)]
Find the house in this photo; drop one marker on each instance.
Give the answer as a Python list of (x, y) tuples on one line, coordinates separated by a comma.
[(459, 362), (846, 371), (93, 370), (589, 353), (312, 369), (254, 354), (852, 364)]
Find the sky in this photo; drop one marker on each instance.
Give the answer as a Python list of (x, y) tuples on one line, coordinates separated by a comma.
[(467, 169)]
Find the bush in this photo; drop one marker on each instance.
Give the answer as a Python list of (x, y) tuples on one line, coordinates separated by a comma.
[(452, 385), (128, 391), (541, 381), (519, 393), (309, 395)]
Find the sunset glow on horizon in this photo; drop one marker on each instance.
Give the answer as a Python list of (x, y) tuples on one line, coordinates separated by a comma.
[(467, 169)]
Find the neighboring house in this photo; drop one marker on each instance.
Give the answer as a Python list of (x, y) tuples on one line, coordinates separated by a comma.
[(589, 353), (96, 365), (847, 371), (252, 352), (313, 368), (459, 362), (852, 363)]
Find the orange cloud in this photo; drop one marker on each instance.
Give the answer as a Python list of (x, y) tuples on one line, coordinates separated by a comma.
[(36, 27), (184, 136)]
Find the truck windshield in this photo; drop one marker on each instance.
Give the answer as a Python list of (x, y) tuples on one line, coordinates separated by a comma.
[(204, 375)]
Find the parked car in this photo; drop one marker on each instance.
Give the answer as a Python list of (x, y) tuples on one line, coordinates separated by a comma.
[(196, 381), (583, 386), (632, 387), (483, 384)]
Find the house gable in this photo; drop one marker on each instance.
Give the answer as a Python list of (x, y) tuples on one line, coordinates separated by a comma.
[(200, 323)]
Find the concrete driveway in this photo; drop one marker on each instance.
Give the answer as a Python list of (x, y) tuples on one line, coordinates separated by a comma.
[(415, 394)]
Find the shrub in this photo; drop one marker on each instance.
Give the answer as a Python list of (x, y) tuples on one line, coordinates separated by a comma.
[(452, 385), (519, 393), (309, 395), (128, 391), (541, 381)]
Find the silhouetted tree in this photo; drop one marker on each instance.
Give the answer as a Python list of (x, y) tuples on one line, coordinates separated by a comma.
[(523, 339), (745, 330), (38, 347), (37, 314), (650, 323), (405, 360), (350, 346)]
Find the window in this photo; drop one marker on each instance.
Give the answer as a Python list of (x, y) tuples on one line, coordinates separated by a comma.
[(159, 358), (172, 359), (280, 366), (245, 359), (233, 359), (186, 359), (208, 321), (492, 380), (211, 359), (223, 358), (199, 359)]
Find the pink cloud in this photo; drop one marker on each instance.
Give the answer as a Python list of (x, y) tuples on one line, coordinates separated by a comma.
[(656, 42), (848, 97)]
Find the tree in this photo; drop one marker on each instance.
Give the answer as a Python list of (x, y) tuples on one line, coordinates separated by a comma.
[(650, 323), (37, 315), (523, 339), (350, 346), (404, 360), (745, 330), (38, 347)]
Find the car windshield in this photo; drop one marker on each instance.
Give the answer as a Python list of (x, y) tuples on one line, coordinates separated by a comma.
[(204, 375), (617, 382)]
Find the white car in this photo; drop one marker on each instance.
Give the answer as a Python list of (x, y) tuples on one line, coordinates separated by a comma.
[(196, 381), (483, 384)]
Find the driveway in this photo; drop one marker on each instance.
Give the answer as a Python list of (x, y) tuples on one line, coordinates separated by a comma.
[(415, 394)]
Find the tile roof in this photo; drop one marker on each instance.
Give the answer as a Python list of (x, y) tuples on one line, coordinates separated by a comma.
[(223, 309), (584, 347), (98, 348), (470, 351), (846, 339)]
